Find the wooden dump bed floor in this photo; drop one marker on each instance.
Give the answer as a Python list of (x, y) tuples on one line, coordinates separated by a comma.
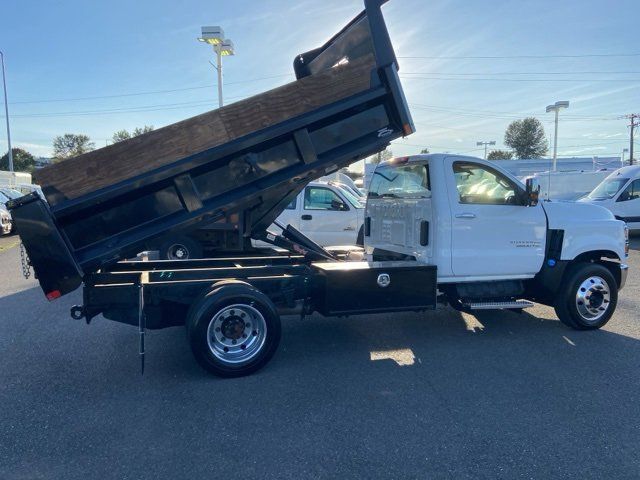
[(110, 165)]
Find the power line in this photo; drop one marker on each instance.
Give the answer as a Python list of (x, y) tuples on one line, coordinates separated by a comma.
[(483, 57), (479, 79), (526, 73), (150, 92)]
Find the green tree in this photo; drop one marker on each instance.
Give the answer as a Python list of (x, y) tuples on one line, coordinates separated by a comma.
[(382, 156), (499, 155), (121, 135), (526, 138), (71, 145), (424, 151), (23, 161)]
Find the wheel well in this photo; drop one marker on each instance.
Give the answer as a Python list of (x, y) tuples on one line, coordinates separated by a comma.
[(606, 258)]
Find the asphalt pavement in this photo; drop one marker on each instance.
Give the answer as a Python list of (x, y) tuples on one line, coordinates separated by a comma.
[(430, 395)]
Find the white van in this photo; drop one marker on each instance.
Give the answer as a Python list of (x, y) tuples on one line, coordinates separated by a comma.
[(620, 193)]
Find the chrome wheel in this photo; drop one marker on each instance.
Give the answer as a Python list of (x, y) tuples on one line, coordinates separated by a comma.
[(593, 298), (236, 333), (178, 251)]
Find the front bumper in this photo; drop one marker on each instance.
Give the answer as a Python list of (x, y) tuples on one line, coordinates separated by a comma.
[(624, 271)]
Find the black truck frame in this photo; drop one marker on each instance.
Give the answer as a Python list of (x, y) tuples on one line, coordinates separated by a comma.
[(232, 306)]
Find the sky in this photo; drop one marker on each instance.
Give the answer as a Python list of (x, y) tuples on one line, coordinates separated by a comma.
[(468, 67)]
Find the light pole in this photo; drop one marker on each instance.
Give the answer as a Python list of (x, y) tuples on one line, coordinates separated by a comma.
[(222, 47), (556, 108), (6, 113), (479, 144)]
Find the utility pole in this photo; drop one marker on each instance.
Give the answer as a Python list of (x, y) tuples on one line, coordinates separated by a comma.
[(635, 122), (6, 113), (479, 144)]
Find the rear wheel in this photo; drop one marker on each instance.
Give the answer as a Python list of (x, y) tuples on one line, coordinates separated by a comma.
[(588, 297), (234, 330)]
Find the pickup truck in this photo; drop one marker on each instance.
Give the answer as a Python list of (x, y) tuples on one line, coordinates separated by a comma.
[(494, 245), (326, 212)]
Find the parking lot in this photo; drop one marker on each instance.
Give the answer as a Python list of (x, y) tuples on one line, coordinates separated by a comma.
[(429, 395)]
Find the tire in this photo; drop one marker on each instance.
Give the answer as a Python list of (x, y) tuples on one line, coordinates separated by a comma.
[(180, 248), (222, 340), (360, 238), (588, 297)]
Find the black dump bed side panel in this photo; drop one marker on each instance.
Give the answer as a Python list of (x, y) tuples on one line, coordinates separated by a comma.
[(256, 174)]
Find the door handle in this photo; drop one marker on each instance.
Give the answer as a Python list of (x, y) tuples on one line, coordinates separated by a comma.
[(346, 229), (306, 217), (465, 215)]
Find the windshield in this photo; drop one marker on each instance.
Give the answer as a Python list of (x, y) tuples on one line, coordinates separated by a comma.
[(351, 198), (608, 188), (12, 194), (405, 181)]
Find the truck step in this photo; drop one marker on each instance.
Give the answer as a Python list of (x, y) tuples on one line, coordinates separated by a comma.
[(515, 305)]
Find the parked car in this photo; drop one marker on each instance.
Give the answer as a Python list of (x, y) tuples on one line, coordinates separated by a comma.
[(6, 223), (620, 193)]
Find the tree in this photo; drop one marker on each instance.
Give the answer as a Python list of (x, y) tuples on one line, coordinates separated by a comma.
[(499, 155), (23, 161), (386, 154), (526, 137), (424, 151), (71, 145), (121, 135)]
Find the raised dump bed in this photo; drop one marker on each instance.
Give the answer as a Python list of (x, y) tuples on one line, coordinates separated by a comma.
[(246, 160)]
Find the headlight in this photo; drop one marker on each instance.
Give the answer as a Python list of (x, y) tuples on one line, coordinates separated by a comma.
[(626, 240)]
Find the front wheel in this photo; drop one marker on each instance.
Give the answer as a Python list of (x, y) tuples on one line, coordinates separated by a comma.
[(588, 297), (233, 330)]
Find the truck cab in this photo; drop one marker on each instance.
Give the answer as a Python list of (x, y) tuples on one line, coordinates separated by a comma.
[(490, 239)]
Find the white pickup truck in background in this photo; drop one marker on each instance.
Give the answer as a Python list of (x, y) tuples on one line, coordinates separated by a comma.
[(620, 194), (495, 246)]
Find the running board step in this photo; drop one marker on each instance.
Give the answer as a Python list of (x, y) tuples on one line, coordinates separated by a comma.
[(514, 305)]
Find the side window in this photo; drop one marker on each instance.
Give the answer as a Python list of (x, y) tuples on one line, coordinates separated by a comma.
[(293, 204), (321, 198), (632, 192), (479, 184)]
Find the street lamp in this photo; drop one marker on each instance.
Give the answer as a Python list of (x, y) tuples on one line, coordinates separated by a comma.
[(556, 108), (6, 113), (479, 144), (223, 47)]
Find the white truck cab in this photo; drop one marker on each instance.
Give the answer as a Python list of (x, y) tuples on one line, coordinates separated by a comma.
[(326, 213), (620, 194), (493, 243)]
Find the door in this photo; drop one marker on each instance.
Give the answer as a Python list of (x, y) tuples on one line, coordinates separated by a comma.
[(627, 206), (493, 232), (327, 218)]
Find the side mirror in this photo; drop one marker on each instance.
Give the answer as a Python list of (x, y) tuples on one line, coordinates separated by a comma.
[(532, 192), (338, 205)]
